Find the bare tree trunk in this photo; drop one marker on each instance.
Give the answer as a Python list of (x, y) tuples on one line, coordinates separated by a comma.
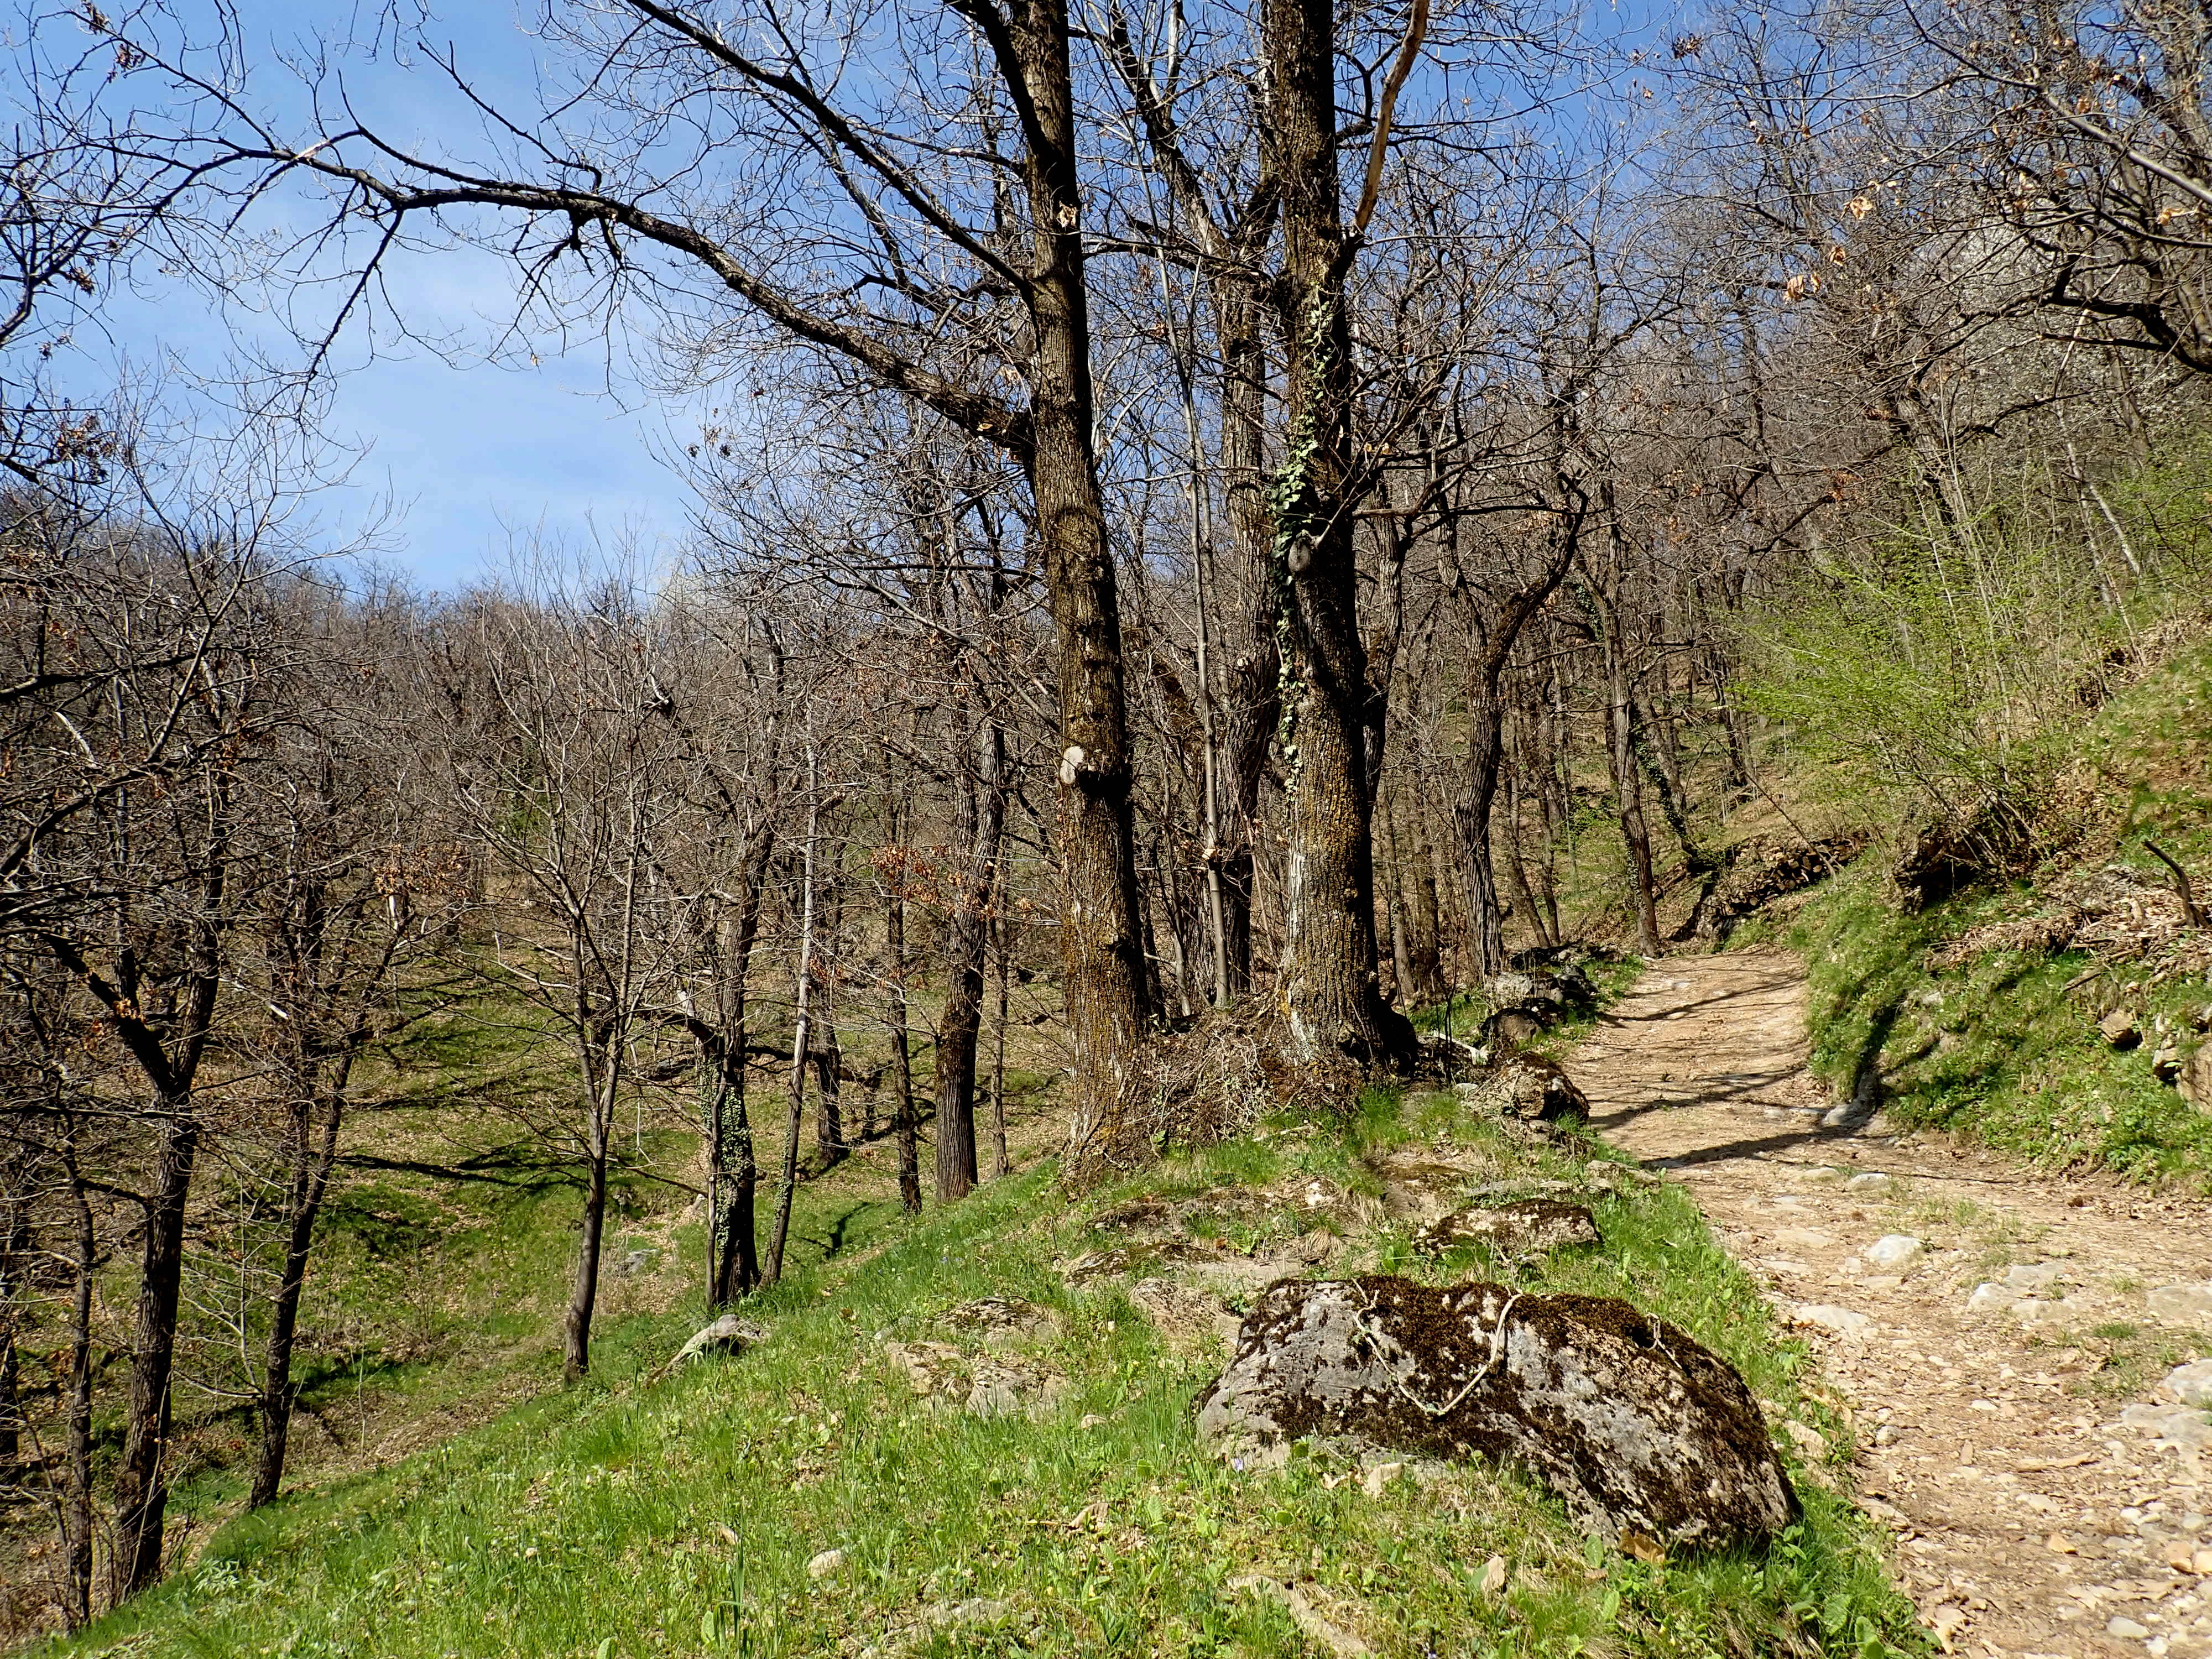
[(1002, 928), (1515, 866), (584, 1293), (895, 1023), (1250, 706), (312, 1161), (15, 1274), (732, 1243), (77, 1501), (142, 1490), (801, 1034), (1635, 833), (983, 814)]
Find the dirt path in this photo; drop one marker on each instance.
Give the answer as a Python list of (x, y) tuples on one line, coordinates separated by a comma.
[(2008, 1376)]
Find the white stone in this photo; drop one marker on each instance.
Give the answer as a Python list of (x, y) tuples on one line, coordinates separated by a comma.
[(2179, 1425), (2185, 1304), (2125, 1628), (1868, 1178), (1893, 1252), (2192, 1384), (2031, 1280), (1842, 1321), (1988, 1297), (825, 1563)]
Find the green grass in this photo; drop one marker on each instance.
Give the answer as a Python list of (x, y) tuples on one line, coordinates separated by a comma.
[(1999, 1049), (2005, 1048), (645, 1514)]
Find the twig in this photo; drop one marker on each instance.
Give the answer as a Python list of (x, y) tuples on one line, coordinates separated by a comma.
[(2191, 911)]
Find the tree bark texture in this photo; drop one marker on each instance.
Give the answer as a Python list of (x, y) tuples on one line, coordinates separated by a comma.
[(1331, 977)]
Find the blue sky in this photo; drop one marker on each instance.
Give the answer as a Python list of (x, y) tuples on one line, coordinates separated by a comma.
[(471, 455), (468, 454)]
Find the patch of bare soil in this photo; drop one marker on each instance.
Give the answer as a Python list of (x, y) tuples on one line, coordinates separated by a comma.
[(2004, 1335)]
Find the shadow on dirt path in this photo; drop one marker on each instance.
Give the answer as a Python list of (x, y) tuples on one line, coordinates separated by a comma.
[(2005, 1352)]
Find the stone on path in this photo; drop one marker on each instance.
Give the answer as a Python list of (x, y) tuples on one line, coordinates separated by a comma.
[(1844, 1322), (2192, 1383), (2184, 1304), (1890, 1254), (1645, 1435), (2183, 1426)]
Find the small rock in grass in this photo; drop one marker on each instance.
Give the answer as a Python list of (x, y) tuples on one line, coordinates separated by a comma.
[(2119, 1028), (1338, 1642), (1893, 1252), (975, 1610), (1090, 1421), (2184, 1304), (1522, 1231), (1843, 1321), (1005, 1321), (2125, 1628), (1867, 1180), (825, 1563), (1377, 1480), (2192, 1383), (728, 1335), (1494, 1576), (1809, 1441)]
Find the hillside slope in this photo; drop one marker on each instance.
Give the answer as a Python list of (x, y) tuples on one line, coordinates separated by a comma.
[(2062, 1015), (698, 1511)]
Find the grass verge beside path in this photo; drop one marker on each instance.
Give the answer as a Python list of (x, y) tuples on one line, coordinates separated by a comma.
[(2002, 1048), (677, 1515)]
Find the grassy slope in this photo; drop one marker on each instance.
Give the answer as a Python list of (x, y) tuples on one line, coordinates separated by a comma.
[(2006, 1049), (642, 1515)]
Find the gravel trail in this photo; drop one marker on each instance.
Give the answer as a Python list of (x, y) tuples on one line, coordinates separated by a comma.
[(2005, 1337)]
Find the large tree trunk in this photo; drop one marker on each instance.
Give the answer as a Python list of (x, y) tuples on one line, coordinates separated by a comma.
[(1331, 979), (1101, 907), (141, 1489), (312, 1158)]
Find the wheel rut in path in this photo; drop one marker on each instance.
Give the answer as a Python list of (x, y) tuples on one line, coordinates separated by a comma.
[(2045, 1492)]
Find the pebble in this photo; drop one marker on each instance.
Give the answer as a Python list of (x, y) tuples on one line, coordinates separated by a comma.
[(1893, 1251), (2125, 1628), (825, 1563), (1843, 1321), (1868, 1178)]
